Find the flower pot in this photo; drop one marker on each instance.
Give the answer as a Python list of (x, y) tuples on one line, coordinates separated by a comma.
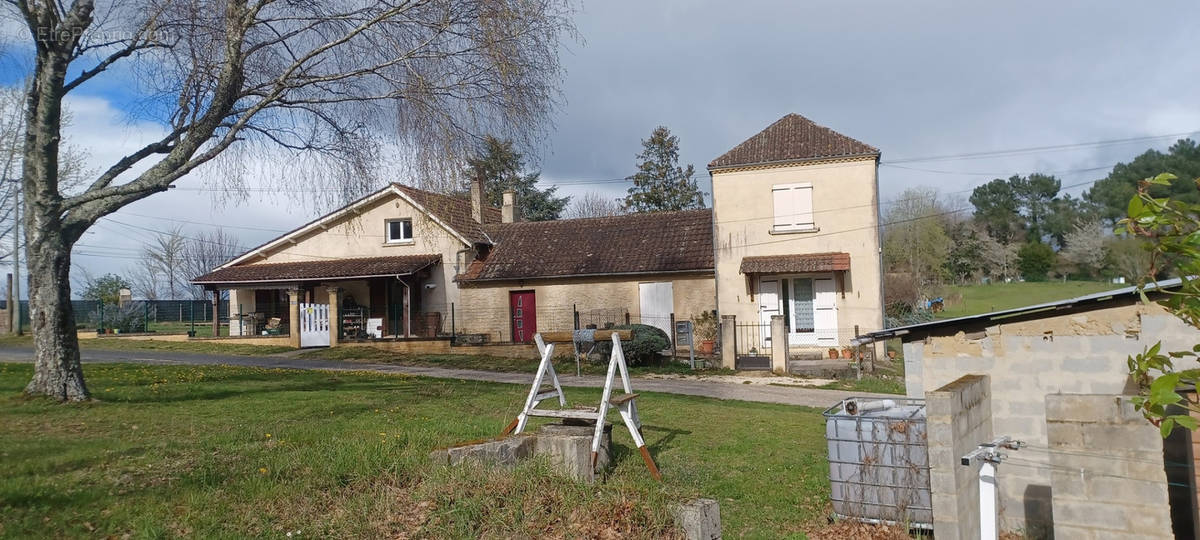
[(706, 346), (847, 354), (833, 353), (891, 355)]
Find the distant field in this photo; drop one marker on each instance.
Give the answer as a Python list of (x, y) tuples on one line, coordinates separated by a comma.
[(962, 301)]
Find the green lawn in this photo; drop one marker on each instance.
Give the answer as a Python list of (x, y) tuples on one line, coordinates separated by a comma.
[(492, 363), (129, 344), (225, 451), (968, 300)]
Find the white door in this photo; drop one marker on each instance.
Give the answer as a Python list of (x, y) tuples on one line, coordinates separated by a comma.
[(825, 311), (314, 325), (657, 303), (768, 306)]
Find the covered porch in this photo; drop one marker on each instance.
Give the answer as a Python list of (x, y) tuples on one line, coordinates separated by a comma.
[(804, 289), (325, 302)]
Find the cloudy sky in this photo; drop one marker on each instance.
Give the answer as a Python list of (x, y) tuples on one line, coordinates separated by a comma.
[(916, 79)]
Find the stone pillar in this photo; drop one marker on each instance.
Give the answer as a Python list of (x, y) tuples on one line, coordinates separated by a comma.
[(958, 419), (779, 345), (728, 337), (294, 317), (335, 316)]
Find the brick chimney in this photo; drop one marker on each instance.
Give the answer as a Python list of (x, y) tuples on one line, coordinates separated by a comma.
[(477, 199), (508, 210)]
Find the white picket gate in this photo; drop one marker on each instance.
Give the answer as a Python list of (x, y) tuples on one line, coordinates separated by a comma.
[(314, 325)]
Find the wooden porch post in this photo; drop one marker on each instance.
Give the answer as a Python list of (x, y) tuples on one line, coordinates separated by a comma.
[(216, 313), (335, 302), (294, 317), (407, 310)]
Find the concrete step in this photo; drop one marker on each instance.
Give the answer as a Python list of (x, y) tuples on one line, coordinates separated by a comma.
[(824, 369)]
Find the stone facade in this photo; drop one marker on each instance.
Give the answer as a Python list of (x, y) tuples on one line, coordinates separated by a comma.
[(1081, 352), (844, 205), (485, 306), (958, 418), (1120, 492)]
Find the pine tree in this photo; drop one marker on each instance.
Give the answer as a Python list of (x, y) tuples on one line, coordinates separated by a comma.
[(660, 184), (503, 170)]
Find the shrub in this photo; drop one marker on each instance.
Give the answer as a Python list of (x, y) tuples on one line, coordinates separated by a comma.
[(646, 347), (705, 325), (1035, 260)]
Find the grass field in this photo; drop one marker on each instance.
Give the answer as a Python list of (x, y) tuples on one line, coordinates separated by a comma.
[(230, 452), (962, 301), (123, 344), (492, 363)]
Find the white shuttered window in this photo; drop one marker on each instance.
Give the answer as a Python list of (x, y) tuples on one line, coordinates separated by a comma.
[(793, 207)]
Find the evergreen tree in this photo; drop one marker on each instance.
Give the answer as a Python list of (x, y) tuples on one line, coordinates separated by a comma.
[(1111, 194), (503, 170), (660, 184)]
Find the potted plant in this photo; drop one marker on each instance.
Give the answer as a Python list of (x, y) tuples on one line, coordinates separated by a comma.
[(847, 353), (833, 353), (705, 329)]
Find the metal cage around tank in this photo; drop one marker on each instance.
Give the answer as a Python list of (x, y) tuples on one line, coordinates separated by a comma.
[(879, 461)]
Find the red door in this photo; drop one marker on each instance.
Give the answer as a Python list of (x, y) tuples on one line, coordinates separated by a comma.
[(524, 316)]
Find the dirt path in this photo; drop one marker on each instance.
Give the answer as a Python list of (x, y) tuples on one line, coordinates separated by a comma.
[(723, 387)]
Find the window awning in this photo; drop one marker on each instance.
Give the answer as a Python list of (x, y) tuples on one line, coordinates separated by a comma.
[(785, 264), (321, 270)]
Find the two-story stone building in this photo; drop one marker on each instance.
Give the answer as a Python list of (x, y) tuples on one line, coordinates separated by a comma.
[(793, 231)]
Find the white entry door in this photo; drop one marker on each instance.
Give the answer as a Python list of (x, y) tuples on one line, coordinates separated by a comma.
[(314, 325), (768, 306), (825, 324), (657, 303)]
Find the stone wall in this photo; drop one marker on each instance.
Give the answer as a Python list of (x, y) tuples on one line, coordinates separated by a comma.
[(484, 307), (959, 418), (1075, 353), (1107, 475)]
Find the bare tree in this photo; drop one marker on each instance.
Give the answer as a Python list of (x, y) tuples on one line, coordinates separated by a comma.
[(336, 83), (206, 251), (165, 260), (593, 204), (144, 281)]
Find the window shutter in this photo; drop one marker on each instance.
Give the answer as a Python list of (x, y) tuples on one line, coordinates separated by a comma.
[(804, 207), (782, 196), (793, 206)]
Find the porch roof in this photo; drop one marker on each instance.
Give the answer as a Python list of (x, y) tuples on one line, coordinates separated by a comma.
[(807, 262), (322, 270)]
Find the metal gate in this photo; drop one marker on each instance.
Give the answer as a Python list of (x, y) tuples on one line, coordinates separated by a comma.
[(314, 325), (751, 346)]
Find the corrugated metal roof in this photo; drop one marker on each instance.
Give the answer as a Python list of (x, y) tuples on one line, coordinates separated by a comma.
[(1049, 308)]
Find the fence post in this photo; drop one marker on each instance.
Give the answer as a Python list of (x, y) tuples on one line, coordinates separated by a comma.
[(575, 315), (146, 316), (674, 340), (101, 328), (728, 341), (192, 317)]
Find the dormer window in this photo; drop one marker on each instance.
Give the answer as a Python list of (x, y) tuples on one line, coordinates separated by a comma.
[(399, 231)]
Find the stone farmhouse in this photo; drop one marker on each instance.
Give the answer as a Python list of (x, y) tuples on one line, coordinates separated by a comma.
[(793, 232)]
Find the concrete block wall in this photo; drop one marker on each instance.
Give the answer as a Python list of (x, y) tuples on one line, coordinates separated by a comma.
[(1107, 475), (1081, 353), (958, 418)]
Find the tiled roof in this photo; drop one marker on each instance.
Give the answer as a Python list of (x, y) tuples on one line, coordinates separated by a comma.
[(454, 211), (792, 138), (629, 244), (810, 262), (319, 270)]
